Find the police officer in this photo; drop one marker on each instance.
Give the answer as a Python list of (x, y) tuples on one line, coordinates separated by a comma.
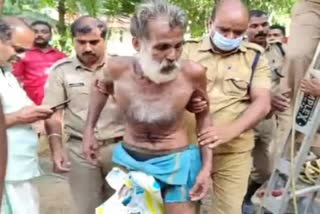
[(303, 41), (239, 93), (70, 79), (277, 33), (265, 132)]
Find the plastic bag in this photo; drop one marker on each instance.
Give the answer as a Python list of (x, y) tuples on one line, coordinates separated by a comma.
[(136, 193)]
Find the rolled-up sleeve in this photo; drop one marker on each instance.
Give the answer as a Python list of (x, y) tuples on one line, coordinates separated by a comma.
[(55, 91), (262, 74)]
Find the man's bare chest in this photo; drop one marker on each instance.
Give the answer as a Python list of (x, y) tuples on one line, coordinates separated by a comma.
[(175, 93)]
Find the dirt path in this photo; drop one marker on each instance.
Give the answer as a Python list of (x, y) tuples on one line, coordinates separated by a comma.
[(55, 197)]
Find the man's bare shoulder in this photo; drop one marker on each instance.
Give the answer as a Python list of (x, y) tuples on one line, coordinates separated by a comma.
[(193, 70), (117, 65)]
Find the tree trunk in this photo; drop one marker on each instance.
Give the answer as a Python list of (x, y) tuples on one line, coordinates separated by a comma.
[(61, 23), (1, 6)]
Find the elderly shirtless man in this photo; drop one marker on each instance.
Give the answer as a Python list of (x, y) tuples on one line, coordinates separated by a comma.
[(153, 89)]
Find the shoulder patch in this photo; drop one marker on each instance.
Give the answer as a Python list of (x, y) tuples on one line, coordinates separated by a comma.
[(61, 62), (253, 46)]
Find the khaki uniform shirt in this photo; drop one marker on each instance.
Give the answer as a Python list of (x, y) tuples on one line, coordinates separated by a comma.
[(275, 59), (228, 82), (69, 79)]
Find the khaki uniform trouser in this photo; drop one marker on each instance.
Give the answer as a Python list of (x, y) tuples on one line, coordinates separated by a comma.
[(87, 182), (229, 182), (303, 41), (265, 133)]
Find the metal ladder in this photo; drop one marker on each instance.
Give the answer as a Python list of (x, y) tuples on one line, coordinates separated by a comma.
[(307, 122)]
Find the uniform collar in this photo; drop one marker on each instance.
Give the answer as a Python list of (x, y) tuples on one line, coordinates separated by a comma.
[(207, 46)]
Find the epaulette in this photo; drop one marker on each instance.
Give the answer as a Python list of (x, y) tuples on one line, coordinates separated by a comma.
[(61, 62), (253, 46)]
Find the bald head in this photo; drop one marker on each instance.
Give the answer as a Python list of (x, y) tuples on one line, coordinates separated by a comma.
[(16, 23), (234, 8), (22, 34), (229, 23), (231, 14)]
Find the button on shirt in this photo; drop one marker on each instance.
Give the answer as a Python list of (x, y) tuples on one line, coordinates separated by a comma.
[(69, 79), (22, 140), (32, 71)]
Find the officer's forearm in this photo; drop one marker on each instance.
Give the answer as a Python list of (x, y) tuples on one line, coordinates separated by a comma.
[(3, 151), (257, 111), (97, 102), (53, 127)]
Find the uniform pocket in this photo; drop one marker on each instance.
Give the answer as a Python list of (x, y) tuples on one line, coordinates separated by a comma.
[(235, 86), (79, 97)]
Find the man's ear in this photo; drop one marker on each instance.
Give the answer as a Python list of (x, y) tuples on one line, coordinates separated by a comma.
[(211, 24), (136, 43)]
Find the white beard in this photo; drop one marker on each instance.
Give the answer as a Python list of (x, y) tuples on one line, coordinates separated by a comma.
[(156, 71)]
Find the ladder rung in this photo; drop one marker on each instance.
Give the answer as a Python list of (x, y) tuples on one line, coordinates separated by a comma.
[(306, 190), (301, 130)]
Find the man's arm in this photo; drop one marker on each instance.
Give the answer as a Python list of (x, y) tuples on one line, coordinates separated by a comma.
[(3, 152), (98, 98), (100, 91), (54, 129), (11, 119), (55, 93), (260, 97), (203, 122), (257, 111), (26, 115)]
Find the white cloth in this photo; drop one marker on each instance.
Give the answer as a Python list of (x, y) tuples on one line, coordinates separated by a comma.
[(22, 140), (20, 198)]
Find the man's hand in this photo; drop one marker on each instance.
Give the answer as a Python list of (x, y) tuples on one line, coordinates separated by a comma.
[(215, 136), (60, 159), (280, 102), (197, 105), (31, 114), (90, 147), (201, 187), (311, 87)]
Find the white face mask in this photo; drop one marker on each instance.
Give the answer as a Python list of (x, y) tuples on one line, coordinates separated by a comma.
[(157, 72), (224, 43)]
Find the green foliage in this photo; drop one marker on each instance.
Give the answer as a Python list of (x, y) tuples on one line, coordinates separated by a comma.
[(198, 11), (119, 7), (67, 46)]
